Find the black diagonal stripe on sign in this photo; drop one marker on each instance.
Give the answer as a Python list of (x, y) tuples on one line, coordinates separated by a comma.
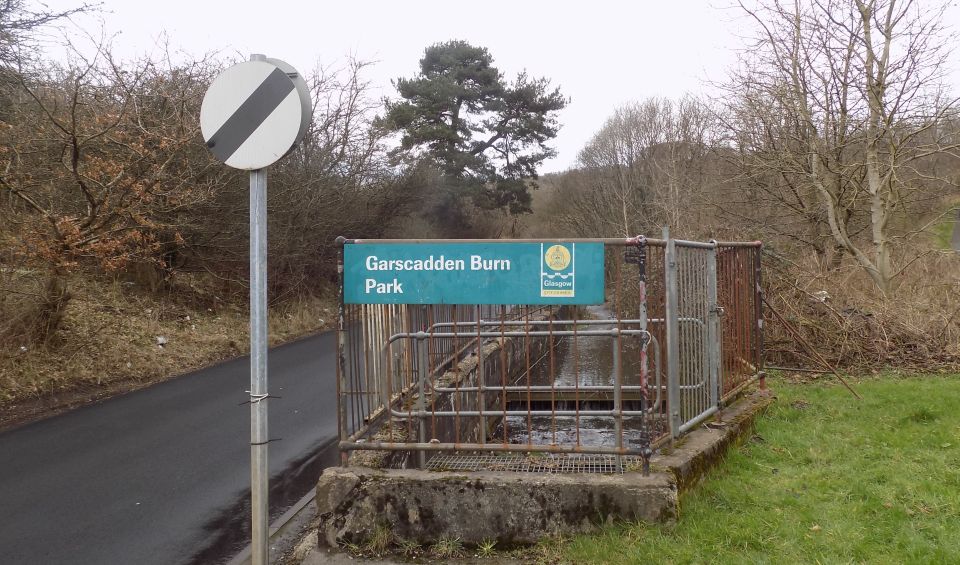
[(248, 117)]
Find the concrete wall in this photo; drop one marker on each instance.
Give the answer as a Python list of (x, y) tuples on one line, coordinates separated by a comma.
[(353, 503), (511, 508)]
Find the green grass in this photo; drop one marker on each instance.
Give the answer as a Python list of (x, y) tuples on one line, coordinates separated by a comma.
[(943, 231), (825, 479)]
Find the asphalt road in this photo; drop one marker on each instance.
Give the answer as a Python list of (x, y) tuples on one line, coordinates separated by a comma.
[(160, 475)]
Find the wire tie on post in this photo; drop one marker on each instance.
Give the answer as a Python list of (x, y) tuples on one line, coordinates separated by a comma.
[(255, 398), (265, 442)]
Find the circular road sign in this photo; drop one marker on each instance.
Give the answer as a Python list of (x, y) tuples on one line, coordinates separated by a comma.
[(254, 113)]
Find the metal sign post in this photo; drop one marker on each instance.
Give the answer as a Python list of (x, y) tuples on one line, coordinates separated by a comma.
[(259, 471), (253, 114)]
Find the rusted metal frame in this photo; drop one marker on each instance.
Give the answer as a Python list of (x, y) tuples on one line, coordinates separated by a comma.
[(416, 414), (612, 332), (341, 337), (743, 305), (521, 323), (538, 388), (617, 344), (576, 377), (727, 396), (645, 433), (510, 447), (456, 400), (481, 377), (374, 418), (737, 265), (755, 244), (369, 370), (503, 372), (410, 380), (423, 375), (357, 329), (758, 306), (747, 313), (527, 324), (432, 370), (386, 381), (553, 373), (737, 292), (526, 343), (729, 318), (734, 317)]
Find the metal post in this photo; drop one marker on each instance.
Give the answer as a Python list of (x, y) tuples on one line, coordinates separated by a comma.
[(673, 336), (424, 373), (617, 398), (713, 327), (645, 405), (259, 437), (342, 388), (481, 381), (759, 360)]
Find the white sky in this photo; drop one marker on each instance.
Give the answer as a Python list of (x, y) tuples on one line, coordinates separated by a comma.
[(601, 53)]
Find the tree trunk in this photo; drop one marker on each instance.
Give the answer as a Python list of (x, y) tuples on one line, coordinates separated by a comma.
[(52, 308)]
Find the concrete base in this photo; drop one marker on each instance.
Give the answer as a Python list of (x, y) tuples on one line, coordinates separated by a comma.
[(353, 503), (512, 508)]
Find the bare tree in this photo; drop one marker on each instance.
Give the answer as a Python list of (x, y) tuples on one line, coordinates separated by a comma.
[(20, 22), (642, 170), (835, 113), (97, 162)]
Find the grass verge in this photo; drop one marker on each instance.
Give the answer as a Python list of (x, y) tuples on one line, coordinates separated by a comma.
[(116, 338), (824, 479)]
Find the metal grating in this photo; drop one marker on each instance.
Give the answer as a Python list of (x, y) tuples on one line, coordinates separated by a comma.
[(536, 463)]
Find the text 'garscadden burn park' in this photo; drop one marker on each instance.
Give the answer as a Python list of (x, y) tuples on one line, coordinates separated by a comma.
[(472, 272), (430, 263)]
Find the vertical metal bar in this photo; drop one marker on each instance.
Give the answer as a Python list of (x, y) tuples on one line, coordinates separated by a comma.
[(645, 432), (457, 398), (526, 347), (503, 373), (576, 373), (259, 435), (341, 344), (391, 362), (713, 326), (553, 380), (481, 378), (424, 373), (758, 307), (432, 344), (618, 397), (673, 336)]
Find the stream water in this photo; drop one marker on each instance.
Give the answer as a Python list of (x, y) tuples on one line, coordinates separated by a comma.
[(584, 361)]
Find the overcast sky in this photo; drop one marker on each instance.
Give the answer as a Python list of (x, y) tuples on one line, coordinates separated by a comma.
[(601, 53)]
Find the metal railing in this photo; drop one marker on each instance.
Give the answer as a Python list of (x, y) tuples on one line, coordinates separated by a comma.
[(679, 333)]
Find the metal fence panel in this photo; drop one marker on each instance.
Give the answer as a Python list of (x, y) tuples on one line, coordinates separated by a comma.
[(615, 380)]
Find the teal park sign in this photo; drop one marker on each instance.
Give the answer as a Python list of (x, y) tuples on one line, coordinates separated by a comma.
[(473, 273)]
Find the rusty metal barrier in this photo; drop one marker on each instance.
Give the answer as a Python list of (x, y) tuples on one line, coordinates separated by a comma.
[(614, 380), (741, 325)]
